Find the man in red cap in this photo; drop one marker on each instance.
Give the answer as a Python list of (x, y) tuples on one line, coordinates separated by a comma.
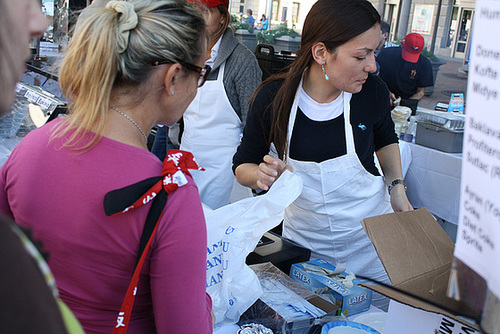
[(405, 71)]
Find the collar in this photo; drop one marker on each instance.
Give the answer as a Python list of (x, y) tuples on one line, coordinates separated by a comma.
[(227, 46), (214, 52)]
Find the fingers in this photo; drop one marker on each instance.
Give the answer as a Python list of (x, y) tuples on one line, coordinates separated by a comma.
[(269, 171), (277, 164)]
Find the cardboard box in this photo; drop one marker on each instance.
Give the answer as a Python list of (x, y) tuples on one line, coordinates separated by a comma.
[(352, 300), (262, 313), (417, 255)]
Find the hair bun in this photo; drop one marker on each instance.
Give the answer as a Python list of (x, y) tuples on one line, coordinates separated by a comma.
[(127, 21)]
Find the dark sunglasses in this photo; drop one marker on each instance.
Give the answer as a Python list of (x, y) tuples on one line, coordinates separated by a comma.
[(202, 71)]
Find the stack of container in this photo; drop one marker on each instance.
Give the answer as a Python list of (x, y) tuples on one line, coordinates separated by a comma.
[(440, 130)]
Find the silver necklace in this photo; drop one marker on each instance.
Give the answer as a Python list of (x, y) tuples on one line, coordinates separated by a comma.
[(131, 121)]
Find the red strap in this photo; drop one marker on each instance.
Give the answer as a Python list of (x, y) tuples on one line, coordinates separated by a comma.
[(176, 164), (128, 303)]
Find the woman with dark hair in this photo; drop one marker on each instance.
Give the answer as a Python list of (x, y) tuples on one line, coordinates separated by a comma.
[(324, 119), (263, 23)]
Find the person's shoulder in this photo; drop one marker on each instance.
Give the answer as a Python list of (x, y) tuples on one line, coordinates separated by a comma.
[(265, 94), (390, 52), (241, 51), (373, 88), (234, 51), (188, 190), (424, 60), (271, 87), (39, 137), (373, 82)]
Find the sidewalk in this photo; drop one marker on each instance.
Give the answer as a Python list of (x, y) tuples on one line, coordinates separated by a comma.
[(449, 80)]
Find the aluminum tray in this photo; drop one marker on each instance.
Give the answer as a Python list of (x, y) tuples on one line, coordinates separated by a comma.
[(447, 120)]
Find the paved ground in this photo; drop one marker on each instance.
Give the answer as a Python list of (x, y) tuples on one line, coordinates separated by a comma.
[(450, 79)]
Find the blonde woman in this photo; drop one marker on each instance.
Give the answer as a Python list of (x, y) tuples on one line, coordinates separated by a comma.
[(130, 65)]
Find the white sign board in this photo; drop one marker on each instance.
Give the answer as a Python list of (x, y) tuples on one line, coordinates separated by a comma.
[(478, 237), (422, 19), (405, 319)]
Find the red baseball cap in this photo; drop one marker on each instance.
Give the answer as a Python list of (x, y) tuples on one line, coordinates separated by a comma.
[(412, 47), (211, 3)]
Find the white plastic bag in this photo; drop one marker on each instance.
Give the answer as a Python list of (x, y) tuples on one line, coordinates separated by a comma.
[(233, 232)]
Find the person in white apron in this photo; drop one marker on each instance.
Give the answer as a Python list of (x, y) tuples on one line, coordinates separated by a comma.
[(213, 122), (338, 191), (337, 207), (212, 132)]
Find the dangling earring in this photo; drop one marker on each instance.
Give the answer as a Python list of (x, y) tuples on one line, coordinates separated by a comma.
[(324, 72)]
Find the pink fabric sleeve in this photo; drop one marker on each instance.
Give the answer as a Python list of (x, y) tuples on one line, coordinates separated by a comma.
[(4, 202), (178, 267)]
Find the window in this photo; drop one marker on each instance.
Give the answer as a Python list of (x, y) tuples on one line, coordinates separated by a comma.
[(276, 6), (295, 12)]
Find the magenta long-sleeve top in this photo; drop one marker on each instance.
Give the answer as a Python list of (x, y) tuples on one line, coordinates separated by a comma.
[(58, 193)]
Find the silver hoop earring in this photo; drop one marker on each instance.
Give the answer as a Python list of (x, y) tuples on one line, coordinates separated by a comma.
[(324, 72), (172, 92)]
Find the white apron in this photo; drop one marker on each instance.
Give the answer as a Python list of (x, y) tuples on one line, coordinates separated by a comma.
[(212, 132), (337, 194)]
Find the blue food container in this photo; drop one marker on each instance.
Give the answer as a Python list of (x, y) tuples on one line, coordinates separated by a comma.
[(355, 326)]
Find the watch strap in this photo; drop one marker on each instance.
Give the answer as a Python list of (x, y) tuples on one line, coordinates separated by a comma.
[(394, 183)]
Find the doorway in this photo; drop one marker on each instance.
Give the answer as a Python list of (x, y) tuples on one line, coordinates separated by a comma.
[(390, 17), (463, 33)]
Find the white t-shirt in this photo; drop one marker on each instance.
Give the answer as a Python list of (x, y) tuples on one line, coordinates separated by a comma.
[(320, 111)]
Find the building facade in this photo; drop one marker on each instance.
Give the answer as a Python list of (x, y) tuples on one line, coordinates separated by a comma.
[(289, 12), (445, 24)]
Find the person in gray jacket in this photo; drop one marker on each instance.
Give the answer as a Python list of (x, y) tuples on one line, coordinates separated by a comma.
[(214, 121)]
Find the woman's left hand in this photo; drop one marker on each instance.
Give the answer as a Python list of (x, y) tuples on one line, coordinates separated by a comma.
[(399, 201)]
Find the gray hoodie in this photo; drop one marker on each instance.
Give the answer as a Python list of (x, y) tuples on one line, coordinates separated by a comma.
[(242, 72)]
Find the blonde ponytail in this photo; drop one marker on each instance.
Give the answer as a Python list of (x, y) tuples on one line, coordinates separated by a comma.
[(117, 45)]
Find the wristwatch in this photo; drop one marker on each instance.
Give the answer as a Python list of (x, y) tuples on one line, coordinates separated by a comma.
[(395, 182)]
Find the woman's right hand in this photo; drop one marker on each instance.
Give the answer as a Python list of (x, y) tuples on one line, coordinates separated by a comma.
[(269, 170)]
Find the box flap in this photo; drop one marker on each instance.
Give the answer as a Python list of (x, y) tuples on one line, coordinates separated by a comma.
[(417, 255), (409, 244)]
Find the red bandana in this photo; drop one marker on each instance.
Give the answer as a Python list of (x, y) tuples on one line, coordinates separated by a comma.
[(176, 164)]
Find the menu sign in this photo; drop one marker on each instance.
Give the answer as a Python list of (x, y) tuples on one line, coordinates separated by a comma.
[(478, 237), (422, 19)]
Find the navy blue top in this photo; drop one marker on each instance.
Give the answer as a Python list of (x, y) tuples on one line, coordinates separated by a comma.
[(402, 77), (318, 141)]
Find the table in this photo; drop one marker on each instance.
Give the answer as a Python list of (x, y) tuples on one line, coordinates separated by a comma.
[(6, 147), (433, 179)]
